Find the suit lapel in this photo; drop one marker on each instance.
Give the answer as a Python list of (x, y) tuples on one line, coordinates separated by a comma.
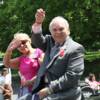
[(64, 47), (53, 59), (43, 69)]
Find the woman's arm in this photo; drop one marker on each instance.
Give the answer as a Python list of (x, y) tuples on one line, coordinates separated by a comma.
[(40, 56), (29, 82), (7, 60)]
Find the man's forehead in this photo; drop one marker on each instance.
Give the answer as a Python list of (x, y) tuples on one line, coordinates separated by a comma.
[(58, 24)]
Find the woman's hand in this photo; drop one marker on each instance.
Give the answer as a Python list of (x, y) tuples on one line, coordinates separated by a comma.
[(41, 58), (28, 82), (14, 44)]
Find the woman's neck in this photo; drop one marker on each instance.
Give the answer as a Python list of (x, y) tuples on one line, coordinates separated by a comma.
[(30, 52)]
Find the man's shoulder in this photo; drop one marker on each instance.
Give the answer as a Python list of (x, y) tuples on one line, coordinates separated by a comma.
[(73, 45), (49, 38), (72, 41)]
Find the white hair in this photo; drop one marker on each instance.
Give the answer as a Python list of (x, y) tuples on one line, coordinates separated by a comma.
[(57, 19)]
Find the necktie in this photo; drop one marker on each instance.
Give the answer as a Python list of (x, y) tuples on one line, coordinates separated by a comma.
[(54, 50)]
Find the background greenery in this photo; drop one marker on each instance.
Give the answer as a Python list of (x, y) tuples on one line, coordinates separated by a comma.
[(83, 17)]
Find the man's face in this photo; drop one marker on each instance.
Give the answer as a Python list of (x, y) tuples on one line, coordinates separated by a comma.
[(59, 32)]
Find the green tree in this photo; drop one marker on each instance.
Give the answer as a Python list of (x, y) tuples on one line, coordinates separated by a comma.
[(83, 16)]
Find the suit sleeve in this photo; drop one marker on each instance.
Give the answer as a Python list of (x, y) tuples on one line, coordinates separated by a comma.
[(73, 72), (39, 41)]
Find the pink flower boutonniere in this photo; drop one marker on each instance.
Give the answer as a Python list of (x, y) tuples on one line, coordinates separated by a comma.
[(61, 53)]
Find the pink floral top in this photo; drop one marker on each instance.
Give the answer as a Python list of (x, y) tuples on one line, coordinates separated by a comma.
[(29, 66), (94, 85)]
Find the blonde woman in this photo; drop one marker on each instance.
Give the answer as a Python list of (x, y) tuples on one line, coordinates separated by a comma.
[(27, 64)]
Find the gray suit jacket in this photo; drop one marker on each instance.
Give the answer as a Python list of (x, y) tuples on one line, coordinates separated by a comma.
[(64, 70)]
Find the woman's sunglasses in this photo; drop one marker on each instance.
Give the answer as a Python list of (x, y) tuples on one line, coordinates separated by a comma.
[(23, 42)]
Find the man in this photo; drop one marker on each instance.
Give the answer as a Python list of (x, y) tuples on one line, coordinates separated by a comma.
[(63, 63), (62, 67)]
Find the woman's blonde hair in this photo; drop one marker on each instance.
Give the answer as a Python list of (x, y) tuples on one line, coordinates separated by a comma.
[(22, 36)]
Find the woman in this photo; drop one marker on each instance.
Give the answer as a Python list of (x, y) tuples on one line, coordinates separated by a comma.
[(28, 63), (2, 82), (95, 85), (7, 90)]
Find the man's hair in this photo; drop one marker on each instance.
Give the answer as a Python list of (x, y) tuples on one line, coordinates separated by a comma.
[(91, 75), (59, 18)]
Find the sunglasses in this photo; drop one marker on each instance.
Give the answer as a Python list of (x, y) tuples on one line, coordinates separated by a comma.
[(23, 42)]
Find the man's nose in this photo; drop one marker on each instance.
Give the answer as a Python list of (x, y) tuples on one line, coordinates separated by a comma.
[(58, 32)]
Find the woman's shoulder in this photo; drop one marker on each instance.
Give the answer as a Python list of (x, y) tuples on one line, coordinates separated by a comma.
[(38, 50), (20, 58)]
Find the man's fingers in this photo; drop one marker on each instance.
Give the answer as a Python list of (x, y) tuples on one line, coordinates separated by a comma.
[(40, 12), (40, 15)]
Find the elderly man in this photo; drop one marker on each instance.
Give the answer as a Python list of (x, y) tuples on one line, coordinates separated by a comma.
[(63, 63)]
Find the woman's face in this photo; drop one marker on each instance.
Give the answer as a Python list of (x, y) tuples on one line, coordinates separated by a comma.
[(93, 78), (24, 46)]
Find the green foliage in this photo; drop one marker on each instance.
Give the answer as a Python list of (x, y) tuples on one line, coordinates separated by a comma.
[(91, 56), (14, 18), (83, 16), (1, 54), (92, 63)]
